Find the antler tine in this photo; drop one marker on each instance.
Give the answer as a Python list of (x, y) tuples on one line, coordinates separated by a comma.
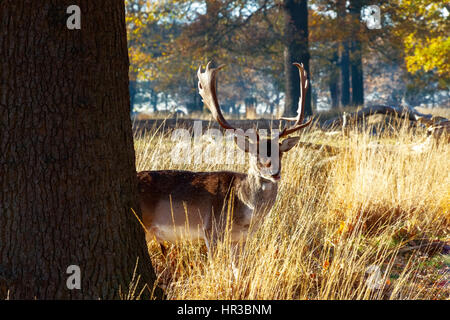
[(301, 107), (207, 90)]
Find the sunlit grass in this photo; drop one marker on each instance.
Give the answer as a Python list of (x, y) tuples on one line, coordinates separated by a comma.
[(336, 228)]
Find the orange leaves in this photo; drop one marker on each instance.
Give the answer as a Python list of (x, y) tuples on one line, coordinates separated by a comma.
[(341, 228), (344, 230), (326, 265)]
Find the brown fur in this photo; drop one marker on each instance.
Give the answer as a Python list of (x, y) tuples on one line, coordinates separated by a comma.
[(202, 196)]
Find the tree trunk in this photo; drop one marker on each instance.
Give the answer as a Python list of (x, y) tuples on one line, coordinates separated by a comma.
[(357, 74), (195, 104), (345, 75), (334, 77), (295, 50), (345, 54), (133, 92), (67, 167), (153, 99), (334, 93), (356, 54)]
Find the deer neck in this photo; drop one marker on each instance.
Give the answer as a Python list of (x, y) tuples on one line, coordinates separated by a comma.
[(256, 191)]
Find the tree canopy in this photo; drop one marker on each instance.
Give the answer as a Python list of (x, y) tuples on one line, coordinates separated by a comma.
[(168, 40)]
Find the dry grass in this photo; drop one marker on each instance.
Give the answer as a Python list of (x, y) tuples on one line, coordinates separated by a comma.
[(336, 221)]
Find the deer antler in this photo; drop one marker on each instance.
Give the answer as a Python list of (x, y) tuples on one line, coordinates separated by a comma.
[(301, 107), (207, 90)]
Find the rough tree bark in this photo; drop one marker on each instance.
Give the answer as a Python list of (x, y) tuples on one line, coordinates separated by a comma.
[(67, 170), (295, 50)]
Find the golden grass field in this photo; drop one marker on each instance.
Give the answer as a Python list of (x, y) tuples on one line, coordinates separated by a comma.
[(349, 225)]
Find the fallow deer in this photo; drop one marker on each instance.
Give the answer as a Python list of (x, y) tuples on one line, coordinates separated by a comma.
[(180, 204)]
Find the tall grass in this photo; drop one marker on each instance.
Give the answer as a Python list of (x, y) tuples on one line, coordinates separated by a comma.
[(336, 230)]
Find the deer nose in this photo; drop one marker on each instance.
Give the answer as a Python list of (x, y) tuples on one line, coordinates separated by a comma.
[(276, 177)]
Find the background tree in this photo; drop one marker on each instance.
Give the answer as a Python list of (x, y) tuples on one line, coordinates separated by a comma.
[(296, 49), (68, 176), (424, 28), (404, 54), (249, 36), (356, 52), (325, 51), (343, 22)]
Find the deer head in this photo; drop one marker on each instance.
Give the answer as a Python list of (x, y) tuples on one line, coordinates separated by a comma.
[(266, 153)]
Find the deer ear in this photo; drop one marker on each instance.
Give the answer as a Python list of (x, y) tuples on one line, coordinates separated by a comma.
[(288, 143)]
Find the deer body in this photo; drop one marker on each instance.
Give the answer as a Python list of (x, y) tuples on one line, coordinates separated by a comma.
[(179, 205), (171, 212)]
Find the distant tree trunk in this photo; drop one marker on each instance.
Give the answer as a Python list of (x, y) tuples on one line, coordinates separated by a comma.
[(345, 75), (345, 54), (132, 88), (67, 167), (334, 93), (314, 97), (250, 107), (357, 74), (195, 104), (275, 104), (295, 50), (133, 91), (334, 78), (212, 17), (166, 101), (356, 54), (234, 107), (153, 99)]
